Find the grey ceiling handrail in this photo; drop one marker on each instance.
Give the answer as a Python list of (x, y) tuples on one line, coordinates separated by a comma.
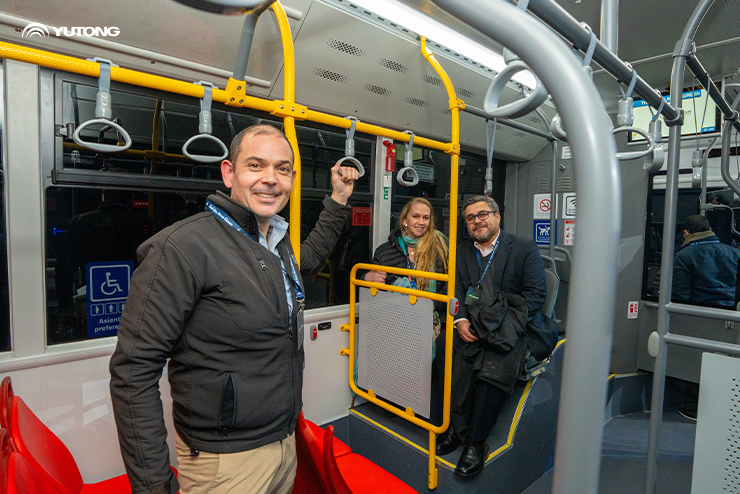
[(408, 164), (349, 150), (517, 108), (584, 380)]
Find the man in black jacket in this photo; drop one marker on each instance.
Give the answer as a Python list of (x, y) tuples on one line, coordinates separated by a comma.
[(492, 263), (704, 269), (220, 294)]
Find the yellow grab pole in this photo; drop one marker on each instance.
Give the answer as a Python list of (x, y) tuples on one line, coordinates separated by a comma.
[(455, 105), (289, 121)]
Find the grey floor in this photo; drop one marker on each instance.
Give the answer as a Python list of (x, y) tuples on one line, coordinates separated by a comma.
[(624, 450)]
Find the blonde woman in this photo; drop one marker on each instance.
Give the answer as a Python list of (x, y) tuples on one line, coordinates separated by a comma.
[(414, 243)]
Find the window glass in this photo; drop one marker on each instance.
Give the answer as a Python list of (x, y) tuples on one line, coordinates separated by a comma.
[(101, 220)]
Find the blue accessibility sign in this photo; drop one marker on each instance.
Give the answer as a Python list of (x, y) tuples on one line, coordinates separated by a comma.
[(542, 232), (107, 288)]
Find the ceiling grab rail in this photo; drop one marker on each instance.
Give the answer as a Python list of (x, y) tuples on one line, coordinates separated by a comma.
[(655, 130), (733, 183), (349, 149), (488, 191), (556, 126), (408, 164), (205, 127), (517, 108), (584, 380), (103, 113)]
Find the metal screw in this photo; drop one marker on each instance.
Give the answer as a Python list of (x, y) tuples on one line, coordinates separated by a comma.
[(292, 108), (303, 111), (281, 107), (241, 101), (232, 100), (238, 88)]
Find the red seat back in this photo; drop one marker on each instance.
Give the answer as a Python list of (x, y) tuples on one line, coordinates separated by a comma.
[(337, 485), (43, 449), (6, 393), (17, 476), (310, 477)]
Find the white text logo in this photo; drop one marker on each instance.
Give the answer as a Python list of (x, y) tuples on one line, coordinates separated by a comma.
[(36, 29)]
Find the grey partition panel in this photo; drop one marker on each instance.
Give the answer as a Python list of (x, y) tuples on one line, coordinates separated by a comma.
[(717, 447), (395, 348)]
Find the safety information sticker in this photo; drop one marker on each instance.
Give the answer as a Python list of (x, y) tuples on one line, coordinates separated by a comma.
[(542, 206), (570, 232), (107, 288), (569, 205), (542, 232), (632, 310)]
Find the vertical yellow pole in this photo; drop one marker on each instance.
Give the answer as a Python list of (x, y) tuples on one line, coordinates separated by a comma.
[(455, 105), (289, 127)]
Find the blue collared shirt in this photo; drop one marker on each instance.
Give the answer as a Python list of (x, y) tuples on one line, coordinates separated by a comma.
[(275, 233)]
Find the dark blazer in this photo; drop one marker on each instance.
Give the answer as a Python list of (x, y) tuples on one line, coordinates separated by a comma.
[(517, 269)]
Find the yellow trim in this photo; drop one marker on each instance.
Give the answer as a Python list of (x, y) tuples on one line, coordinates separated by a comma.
[(399, 436)]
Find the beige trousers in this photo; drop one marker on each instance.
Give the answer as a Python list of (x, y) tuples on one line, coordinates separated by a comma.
[(269, 469)]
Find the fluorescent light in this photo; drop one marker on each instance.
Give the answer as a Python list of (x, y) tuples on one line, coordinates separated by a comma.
[(432, 29)]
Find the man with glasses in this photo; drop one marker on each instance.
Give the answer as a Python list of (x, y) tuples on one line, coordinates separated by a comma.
[(494, 269)]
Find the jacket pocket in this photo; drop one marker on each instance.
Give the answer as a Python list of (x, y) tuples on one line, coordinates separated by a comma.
[(228, 405)]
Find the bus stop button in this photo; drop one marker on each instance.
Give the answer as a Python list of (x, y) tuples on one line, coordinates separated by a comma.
[(454, 306)]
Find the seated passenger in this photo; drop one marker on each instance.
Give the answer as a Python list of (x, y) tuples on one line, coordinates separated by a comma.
[(415, 243), (704, 269), (501, 279)]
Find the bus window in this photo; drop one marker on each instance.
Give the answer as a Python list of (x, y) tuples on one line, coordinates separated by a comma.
[(101, 207)]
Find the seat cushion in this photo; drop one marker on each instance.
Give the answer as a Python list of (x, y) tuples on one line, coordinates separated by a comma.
[(363, 476)]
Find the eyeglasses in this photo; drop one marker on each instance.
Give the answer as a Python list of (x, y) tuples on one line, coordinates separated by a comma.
[(482, 215)]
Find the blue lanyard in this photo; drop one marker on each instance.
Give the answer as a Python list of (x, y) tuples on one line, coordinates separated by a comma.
[(705, 242), (490, 260), (233, 224)]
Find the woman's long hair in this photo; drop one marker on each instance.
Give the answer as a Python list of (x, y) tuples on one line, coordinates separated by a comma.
[(431, 250)]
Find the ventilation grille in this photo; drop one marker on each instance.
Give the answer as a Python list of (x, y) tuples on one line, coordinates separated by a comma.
[(417, 102), (434, 81), (378, 90), (332, 76), (732, 461), (390, 64), (345, 47), (446, 111), (465, 93), (543, 185), (566, 184)]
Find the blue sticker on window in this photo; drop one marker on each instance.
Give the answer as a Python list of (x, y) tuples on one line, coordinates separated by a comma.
[(542, 232), (107, 288)]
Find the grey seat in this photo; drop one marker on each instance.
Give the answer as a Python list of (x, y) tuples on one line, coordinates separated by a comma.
[(553, 284)]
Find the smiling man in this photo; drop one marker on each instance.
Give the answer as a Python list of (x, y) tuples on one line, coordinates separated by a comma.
[(493, 267), (220, 295)]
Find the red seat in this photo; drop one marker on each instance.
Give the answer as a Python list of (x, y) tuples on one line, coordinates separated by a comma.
[(46, 453), (340, 448), (310, 477), (6, 393), (18, 476), (355, 474)]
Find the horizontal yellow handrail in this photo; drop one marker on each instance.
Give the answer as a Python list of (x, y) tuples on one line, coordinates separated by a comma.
[(403, 271), (233, 95)]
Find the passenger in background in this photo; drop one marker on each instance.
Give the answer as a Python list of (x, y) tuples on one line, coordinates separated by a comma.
[(705, 271), (220, 295), (501, 279), (415, 243)]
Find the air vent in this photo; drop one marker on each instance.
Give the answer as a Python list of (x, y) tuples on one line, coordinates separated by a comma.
[(543, 185), (466, 93), (345, 47), (566, 184), (332, 76), (377, 90), (434, 81), (446, 111), (390, 64), (417, 102)]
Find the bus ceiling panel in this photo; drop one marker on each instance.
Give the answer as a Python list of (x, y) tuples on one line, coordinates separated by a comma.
[(159, 36), (350, 63)]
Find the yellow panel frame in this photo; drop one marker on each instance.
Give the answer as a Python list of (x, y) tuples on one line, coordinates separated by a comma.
[(453, 149)]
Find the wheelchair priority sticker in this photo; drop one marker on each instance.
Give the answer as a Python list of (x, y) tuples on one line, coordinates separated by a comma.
[(107, 288)]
